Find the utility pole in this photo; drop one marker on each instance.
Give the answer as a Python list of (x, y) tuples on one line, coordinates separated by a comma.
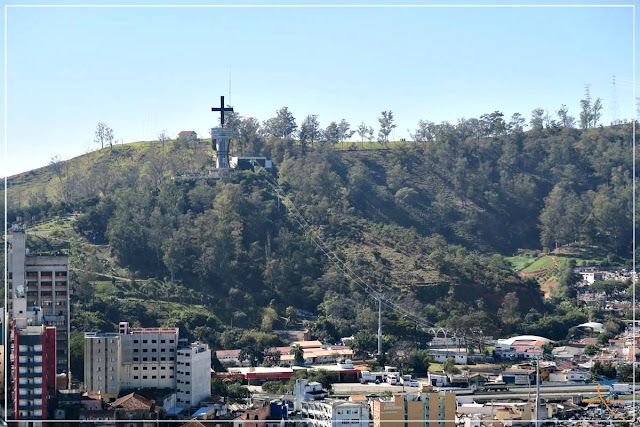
[(379, 326), (537, 392)]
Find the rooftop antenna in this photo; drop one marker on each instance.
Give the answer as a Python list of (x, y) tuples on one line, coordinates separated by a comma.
[(614, 111)]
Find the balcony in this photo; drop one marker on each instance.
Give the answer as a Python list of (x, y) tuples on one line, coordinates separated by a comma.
[(30, 374), (27, 407), (31, 385), (29, 352), (36, 395)]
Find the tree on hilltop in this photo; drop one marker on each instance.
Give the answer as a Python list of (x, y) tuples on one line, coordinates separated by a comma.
[(386, 126), (104, 134)]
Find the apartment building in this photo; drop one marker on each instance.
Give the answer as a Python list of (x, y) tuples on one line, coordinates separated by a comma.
[(193, 374), (427, 408), (148, 357), (102, 356), (33, 369), (44, 281), (333, 412)]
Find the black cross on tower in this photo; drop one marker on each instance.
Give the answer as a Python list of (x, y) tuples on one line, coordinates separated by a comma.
[(222, 110)]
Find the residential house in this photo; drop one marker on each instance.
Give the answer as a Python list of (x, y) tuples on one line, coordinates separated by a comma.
[(438, 379), (189, 135), (477, 380), (519, 376), (134, 407)]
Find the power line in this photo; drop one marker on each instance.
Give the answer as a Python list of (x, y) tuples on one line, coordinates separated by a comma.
[(344, 268)]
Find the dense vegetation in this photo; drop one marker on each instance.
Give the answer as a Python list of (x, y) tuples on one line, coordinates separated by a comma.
[(426, 222)]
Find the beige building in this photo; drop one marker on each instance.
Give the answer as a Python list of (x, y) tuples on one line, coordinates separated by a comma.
[(427, 408), (148, 357), (102, 355), (131, 359)]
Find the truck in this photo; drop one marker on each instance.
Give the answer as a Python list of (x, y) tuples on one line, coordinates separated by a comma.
[(407, 381), (622, 388), (494, 386)]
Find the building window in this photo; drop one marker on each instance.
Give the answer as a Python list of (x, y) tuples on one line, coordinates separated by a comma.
[(144, 350), (135, 368), (144, 377), (162, 376), (135, 359), (136, 341), (135, 350), (154, 359), (153, 377), (163, 341), (144, 368), (144, 359), (153, 341), (144, 341)]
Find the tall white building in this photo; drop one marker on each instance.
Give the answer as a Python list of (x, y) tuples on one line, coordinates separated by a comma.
[(193, 374), (102, 355), (148, 357)]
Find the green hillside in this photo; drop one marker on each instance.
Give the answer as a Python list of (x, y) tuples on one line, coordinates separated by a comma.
[(427, 224)]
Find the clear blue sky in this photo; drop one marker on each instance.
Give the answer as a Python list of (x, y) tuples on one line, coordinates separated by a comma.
[(142, 70)]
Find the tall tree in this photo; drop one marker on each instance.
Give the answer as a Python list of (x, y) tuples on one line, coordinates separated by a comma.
[(566, 121), (386, 126), (585, 113), (362, 132), (163, 138), (332, 134), (370, 134), (517, 123), (424, 132), (596, 112), (104, 134), (537, 119), (283, 125), (493, 124), (310, 130), (345, 132)]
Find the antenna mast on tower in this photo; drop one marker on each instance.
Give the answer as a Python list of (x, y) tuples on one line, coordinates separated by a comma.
[(587, 92), (614, 112)]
